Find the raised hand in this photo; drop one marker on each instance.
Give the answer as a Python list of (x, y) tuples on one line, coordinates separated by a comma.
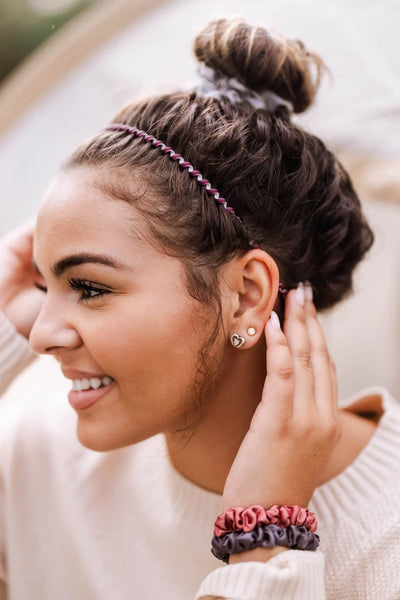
[(295, 427), (19, 299)]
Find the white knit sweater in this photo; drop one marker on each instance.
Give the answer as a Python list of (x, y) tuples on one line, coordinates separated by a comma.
[(124, 525)]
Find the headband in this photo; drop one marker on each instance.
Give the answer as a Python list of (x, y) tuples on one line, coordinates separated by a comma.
[(192, 172)]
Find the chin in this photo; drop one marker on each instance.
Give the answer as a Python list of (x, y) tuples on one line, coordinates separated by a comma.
[(102, 438), (99, 444)]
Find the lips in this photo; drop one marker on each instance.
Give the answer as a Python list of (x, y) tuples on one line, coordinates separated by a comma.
[(78, 374), (82, 400), (87, 388)]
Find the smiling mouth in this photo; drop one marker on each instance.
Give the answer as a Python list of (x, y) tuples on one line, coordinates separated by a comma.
[(82, 399), (92, 383)]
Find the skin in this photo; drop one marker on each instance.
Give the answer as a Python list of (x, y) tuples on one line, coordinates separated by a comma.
[(129, 333), (149, 342)]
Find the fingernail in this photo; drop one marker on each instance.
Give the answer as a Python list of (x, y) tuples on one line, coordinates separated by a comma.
[(299, 295), (275, 320), (308, 292)]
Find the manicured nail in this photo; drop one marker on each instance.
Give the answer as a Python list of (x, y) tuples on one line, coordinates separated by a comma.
[(308, 290), (275, 320), (299, 295)]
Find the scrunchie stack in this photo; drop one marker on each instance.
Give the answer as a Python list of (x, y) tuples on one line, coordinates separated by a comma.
[(240, 529)]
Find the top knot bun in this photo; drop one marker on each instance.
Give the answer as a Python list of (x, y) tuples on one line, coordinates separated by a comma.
[(260, 60)]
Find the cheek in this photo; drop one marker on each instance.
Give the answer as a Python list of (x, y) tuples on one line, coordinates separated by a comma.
[(149, 347), (154, 356)]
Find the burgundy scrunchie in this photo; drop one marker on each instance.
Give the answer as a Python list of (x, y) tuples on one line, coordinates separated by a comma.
[(239, 518)]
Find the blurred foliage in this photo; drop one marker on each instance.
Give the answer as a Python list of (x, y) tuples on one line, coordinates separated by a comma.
[(25, 24)]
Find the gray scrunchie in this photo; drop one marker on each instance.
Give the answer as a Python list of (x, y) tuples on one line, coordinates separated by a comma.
[(264, 536), (213, 85)]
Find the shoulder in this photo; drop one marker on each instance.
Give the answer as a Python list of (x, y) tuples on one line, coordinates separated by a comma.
[(369, 417), (371, 403)]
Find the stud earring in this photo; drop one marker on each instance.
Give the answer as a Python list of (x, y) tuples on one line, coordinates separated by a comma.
[(251, 331), (237, 341)]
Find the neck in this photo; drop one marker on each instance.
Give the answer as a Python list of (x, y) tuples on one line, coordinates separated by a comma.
[(206, 456)]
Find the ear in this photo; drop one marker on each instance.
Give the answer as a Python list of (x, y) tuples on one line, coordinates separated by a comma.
[(250, 287)]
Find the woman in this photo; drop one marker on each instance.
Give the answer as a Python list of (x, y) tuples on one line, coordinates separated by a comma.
[(162, 294)]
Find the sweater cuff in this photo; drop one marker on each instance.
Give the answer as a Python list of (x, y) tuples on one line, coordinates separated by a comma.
[(15, 353), (291, 575)]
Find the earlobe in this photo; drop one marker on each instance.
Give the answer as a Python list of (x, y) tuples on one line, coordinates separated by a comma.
[(238, 341)]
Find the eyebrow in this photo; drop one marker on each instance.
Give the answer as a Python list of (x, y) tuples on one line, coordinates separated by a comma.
[(80, 259)]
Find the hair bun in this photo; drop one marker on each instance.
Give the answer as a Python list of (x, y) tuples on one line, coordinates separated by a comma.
[(260, 60)]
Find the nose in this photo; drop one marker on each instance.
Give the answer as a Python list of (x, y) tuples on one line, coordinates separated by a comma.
[(53, 332)]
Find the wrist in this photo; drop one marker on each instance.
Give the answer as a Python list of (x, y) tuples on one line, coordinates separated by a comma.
[(256, 555)]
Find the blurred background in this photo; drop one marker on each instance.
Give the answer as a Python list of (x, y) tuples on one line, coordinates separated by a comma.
[(25, 24), (67, 65)]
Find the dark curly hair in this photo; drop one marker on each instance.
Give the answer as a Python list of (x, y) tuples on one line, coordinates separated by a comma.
[(293, 196)]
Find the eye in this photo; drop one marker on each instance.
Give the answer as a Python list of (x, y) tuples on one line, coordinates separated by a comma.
[(88, 290), (40, 287)]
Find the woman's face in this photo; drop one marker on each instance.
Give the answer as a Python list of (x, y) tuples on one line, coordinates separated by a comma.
[(116, 315)]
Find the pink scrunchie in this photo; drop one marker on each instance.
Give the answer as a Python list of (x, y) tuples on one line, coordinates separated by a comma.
[(239, 518)]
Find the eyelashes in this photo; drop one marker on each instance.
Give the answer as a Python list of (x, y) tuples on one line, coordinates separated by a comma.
[(88, 290)]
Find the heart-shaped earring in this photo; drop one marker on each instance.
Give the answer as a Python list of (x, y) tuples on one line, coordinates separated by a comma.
[(237, 341)]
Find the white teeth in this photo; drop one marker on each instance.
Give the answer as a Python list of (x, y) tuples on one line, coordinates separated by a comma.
[(85, 383), (95, 382)]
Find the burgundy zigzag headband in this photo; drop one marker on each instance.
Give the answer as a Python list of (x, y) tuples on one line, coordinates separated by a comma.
[(184, 164)]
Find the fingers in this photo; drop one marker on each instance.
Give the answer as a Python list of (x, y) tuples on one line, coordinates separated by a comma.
[(301, 379), (298, 337), (279, 384), (315, 380), (335, 398), (20, 241), (324, 375), (21, 231)]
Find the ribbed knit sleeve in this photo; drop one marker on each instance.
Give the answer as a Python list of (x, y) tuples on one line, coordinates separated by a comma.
[(15, 353), (291, 575)]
